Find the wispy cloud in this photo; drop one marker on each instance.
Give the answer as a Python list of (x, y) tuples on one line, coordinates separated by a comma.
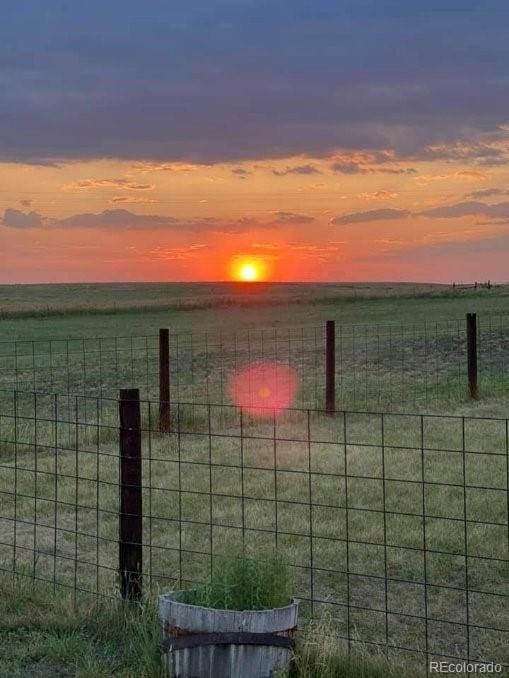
[(292, 218), (486, 154), (357, 168), (378, 195), (469, 208), (147, 166), (471, 175), (460, 175), (487, 193), (123, 184), (297, 169), (131, 200), (384, 161), (451, 248), (371, 215), (116, 219), (16, 219), (474, 208), (122, 219), (240, 172)]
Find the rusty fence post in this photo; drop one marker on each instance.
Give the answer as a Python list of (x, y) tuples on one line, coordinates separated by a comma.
[(164, 379), (131, 513), (330, 366), (472, 354)]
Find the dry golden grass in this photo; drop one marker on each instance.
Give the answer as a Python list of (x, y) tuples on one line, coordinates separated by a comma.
[(325, 500)]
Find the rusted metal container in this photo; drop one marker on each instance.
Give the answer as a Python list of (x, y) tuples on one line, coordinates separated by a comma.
[(202, 642)]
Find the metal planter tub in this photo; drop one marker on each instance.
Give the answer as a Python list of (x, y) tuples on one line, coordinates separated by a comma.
[(202, 642)]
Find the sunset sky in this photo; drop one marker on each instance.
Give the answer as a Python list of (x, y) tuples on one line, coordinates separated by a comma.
[(326, 140)]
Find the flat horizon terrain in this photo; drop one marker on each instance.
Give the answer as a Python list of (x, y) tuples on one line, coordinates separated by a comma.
[(385, 559), (109, 309)]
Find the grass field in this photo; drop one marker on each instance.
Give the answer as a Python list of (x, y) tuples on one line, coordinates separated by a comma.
[(60, 311), (44, 635), (396, 527), (396, 346), (377, 530)]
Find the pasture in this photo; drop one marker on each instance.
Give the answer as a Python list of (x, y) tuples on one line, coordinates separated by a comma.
[(397, 346), (395, 524), (92, 310), (61, 311)]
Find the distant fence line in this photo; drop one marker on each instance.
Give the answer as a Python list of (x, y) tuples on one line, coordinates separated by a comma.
[(375, 366), (395, 525)]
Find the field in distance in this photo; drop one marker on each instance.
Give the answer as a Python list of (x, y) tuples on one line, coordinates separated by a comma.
[(76, 310)]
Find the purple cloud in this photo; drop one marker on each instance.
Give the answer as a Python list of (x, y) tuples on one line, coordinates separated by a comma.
[(209, 81), (16, 219), (469, 208), (292, 218), (299, 169), (371, 215)]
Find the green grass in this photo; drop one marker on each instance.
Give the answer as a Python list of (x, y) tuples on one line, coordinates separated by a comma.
[(322, 654), (76, 464), (40, 311), (195, 508), (391, 360), (239, 582), (47, 635)]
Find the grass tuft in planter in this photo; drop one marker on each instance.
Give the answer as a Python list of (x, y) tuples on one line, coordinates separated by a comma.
[(240, 625), (241, 582)]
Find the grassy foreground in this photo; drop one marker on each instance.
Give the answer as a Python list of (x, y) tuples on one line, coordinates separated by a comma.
[(41, 635), (45, 635), (202, 493)]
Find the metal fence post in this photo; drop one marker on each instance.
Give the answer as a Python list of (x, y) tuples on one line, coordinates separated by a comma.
[(164, 379), (330, 366), (472, 353), (131, 520)]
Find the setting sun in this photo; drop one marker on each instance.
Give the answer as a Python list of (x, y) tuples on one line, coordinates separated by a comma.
[(249, 272), (248, 269)]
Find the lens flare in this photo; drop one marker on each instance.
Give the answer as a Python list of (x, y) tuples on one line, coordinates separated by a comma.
[(264, 389)]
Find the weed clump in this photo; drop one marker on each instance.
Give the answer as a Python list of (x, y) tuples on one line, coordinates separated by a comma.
[(241, 582)]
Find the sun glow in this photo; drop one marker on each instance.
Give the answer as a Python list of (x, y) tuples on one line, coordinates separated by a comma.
[(248, 270)]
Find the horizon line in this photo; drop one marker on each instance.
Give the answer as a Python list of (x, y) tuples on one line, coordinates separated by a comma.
[(258, 283)]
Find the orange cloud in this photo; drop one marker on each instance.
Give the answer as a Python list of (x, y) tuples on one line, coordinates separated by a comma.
[(131, 199), (378, 195), (123, 184), (164, 167)]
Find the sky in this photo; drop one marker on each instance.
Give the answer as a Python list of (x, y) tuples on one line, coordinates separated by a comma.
[(326, 140)]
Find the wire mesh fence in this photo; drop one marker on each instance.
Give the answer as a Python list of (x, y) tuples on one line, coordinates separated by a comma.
[(395, 525), (377, 366)]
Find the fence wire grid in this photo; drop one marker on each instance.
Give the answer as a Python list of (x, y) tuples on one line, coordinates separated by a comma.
[(382, 366), (395, 525)]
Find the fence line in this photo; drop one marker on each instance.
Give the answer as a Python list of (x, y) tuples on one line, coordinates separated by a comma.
[(376, 366), (394, 524)]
